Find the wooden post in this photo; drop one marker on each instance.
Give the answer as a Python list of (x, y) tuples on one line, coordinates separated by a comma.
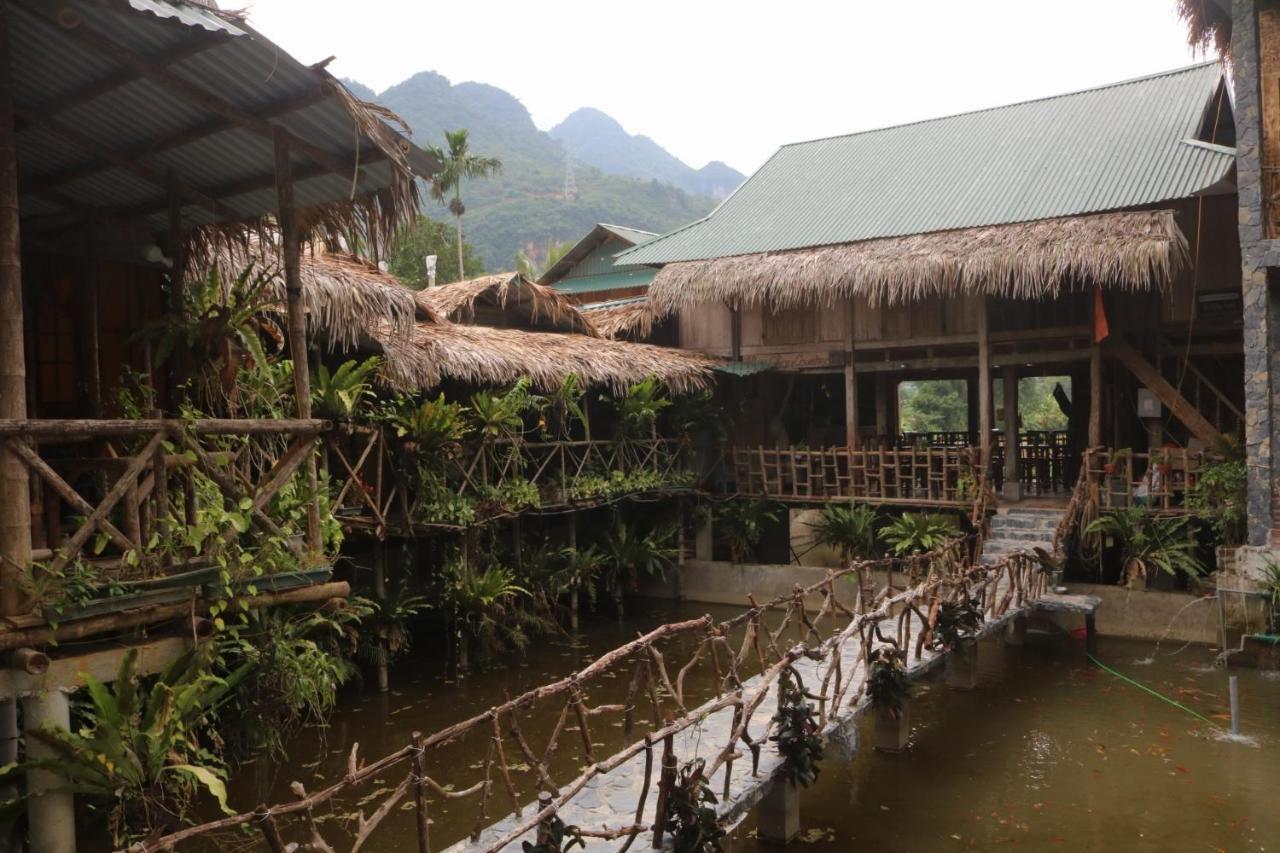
[(735, 333), (1095, 387), (177, 280), (984, 386), (1012, 468), (850, 385), (573, 591), (882, 406), (291, 252), (420, 796), (15, 497), (87, 348), (380, 593)]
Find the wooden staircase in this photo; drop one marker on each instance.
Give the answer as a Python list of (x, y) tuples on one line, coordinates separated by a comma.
[(1224, 412)]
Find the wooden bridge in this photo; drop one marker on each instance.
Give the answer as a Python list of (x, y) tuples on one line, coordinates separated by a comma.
[(621, 799)]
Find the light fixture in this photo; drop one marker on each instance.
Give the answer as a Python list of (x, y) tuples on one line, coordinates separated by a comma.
[(153, 254)]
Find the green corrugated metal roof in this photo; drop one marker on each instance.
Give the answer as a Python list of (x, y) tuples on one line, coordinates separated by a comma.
[(743, 368), (639, 277), (634, 236), (1108, 148)]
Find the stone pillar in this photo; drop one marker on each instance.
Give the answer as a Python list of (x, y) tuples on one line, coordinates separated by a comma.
[(8, 755), (778, 815), (702, 541), (1012, 467), (990, 664), (1261, 348), (891, 734), (962, 667), (51, 815), (1016, 633), (1091, 634)]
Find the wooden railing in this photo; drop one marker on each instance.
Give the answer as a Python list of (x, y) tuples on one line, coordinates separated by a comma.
[(377, 483), (1158, 480), (629, 715), (123, 497), (941, 476)]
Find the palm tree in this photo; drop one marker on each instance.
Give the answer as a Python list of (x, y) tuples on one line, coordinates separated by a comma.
[(455, 164)]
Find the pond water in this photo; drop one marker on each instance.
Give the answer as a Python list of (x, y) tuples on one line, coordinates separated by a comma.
[(1059, 755)]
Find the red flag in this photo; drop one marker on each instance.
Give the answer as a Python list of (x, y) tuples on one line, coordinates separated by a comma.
[(1100, 328)]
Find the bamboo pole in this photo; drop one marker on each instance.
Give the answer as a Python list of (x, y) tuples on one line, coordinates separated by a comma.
[(291, 253), (15, 498), (984, 385)]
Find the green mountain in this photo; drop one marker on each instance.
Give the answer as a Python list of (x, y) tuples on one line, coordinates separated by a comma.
[(526, 206), (595, 138)]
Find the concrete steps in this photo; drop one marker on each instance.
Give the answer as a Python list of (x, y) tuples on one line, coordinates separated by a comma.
[(1020, 529)]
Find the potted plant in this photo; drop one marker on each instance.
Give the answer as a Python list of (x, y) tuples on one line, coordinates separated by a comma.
[(1153, 548), (1219, 497), (889, 692)]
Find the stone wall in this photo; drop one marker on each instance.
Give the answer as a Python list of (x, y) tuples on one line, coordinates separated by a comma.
[(1257, 254)]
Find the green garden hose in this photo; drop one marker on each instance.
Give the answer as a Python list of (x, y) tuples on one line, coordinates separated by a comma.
[(1154, 693)]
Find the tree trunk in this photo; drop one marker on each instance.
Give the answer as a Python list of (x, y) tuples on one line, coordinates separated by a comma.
[(462, 272)]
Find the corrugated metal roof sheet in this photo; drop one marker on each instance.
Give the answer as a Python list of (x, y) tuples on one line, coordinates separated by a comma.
[(190, 14), (631, 277), (1101, 149), (634, 236)]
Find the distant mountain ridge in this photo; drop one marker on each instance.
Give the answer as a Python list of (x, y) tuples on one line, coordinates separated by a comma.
[(595, 138), (526, 204)]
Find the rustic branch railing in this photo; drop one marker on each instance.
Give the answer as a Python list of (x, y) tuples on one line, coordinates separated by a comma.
[(1118, 479), (109, 491), (930, 476), (841, 636), (376, 491)]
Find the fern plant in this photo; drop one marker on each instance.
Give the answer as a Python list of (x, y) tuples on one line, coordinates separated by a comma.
[(957, 623), (917, 533), (139, 751), (433, 425), (850, 530), (887, 684), (639, 408), (797, 737), (742, 524), (1149, 542), (338, 395)]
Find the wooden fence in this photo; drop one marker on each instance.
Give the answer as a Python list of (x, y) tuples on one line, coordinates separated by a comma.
[(929, 476), (376, 486), (109, 492), (1157, 480), (843, 633)]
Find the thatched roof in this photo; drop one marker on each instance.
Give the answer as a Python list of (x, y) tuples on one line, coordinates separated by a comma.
[(342, 295), (505, 299), (622, 318), (1032, 260), (498, 356), (1208, 25)]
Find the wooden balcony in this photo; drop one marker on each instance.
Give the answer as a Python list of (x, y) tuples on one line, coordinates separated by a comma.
[(379, 488), (129, 513), (927, 476), (1157, 480)]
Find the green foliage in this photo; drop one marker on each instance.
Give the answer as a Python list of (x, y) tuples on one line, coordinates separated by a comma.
[(298, 658), (1271, 588), (631, 551), (917, 533), (425, 237), (222, 321), (935, 405), (691, 812), (458, 163), (388, 620), (887, 684), (639, 408), (489, 608), (339, 394), (565, 409), (797, 737), (1147, 541), (1220, 497), (851, 530), (588, 487), (433, 425), (144, 751), (434, 500), (958, 622), (500, 416), (696, 414), (741, 523), (532, 263)]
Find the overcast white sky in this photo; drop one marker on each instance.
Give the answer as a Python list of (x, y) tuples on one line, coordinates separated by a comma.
[(734, 80)]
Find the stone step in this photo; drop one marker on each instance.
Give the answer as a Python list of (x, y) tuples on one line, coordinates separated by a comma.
[(1024, 524), (1023, 535)]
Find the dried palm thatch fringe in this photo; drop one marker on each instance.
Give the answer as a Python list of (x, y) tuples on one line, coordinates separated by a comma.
[(1140, 250), (1208, 26), (342, 295), (540, 306), (494, 356), (620, 321)]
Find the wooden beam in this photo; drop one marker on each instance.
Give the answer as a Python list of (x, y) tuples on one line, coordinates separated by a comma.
[(984, 383), (1149, 376), (203, 130), (15, 499), (111, 82), (1012, 482), (128, 164), (65, 673), (291, 255), (162, 76)]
